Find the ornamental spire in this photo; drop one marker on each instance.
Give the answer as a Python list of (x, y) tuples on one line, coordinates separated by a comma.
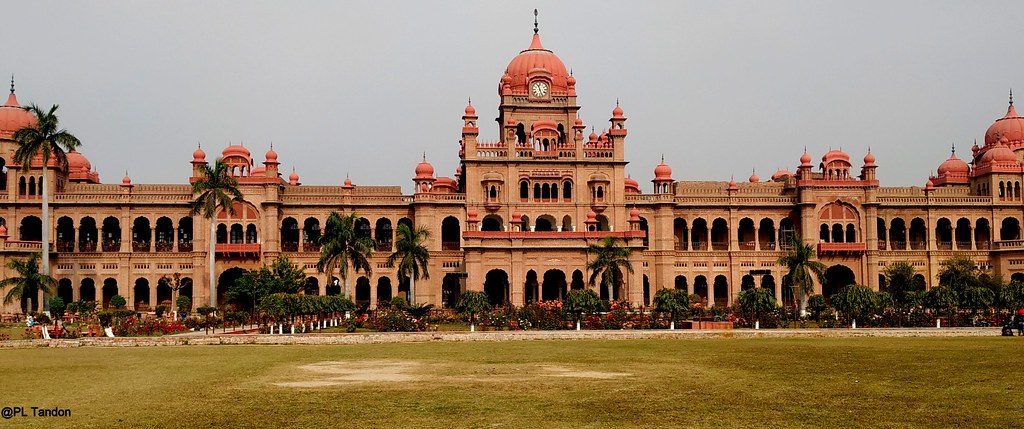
[(12, 85), (536, 29), (1011, 90)]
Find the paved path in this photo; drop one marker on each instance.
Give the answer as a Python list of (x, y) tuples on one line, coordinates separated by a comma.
[(200, 338)]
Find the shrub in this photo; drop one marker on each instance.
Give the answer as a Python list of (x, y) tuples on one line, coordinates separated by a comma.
[(206, 310), (816, 304), (675, 302), (118, 302), (57, 307), (394, 320), (399, 303), (472, 303), (183, 304), (581, 301), (755, 303), (856, 302), (160, 310)]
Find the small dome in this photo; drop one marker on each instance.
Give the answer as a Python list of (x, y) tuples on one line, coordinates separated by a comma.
[(293, 178), (127, 181), (634, 214), (929, 184), (953, 165), (663, 171), (571, 80), (347, 184), (833, 155), (593, 137), (258, 172), (579, 122), (424, 170), (271, 155), (631, 186), (805, 159), (781, 174), (753, 178), (78, 162), (13, 117), (591, 216), (869, 159), (517, 217), (471, 213), (732, 185), (617, 111), (470, 110), (199, 155)]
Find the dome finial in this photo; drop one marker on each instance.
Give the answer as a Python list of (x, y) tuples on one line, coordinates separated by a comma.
[(424, 156), (536, 29), (616, 101), (952, 147), (662, 158), (12, 84), (1011, 91)]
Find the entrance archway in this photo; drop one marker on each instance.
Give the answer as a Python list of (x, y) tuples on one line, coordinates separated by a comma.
[(721, 291), (362, 292), (554, 285), (383, 290), (450, 290), (496, 286), (225, 281), (837, 277)]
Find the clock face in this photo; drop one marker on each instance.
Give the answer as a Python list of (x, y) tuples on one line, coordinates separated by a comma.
[(540, 89)]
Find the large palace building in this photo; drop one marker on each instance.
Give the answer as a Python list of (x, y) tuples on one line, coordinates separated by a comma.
[(516, 218)]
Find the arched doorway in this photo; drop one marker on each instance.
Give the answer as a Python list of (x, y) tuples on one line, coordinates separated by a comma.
[(747, 282), (554, 285), (333, 287), (362, 292), (496, 286), (450, 290), (141, 293), (577, 280), (721, 291), (87, 291), (383, 290), (65, 291), (680, 284), (837, 277), (700, 288), (450, 234), (163, 293), (311, 286), (226, 281), (768, 283), (109, 290), (530, 287)]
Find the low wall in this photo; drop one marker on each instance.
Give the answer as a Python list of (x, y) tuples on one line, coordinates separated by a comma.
[(413, 337)]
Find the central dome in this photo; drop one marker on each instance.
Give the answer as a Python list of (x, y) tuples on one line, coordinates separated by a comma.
[(1010, 126), (13, 117), (536, 62)]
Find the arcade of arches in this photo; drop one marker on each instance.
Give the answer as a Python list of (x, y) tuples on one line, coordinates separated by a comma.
[(514, 218)]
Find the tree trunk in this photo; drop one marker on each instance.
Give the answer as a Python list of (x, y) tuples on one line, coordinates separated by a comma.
[(213, 249), (46, 237), (412, 290), (803, 301)]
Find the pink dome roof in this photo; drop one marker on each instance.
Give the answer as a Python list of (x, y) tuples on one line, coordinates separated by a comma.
[(293, 178), (631, 185), (781, 173), (258, 172), (536, 59), (953, 165), (1010, 126), (516, 216), (617, 111), (127, 181), (591, 216), (833, 155), (663, 171), (236, 150), (805, 159), (199, 155), (271, 154), (634, 214), (732, 185), (593, 137), (471, 213), (579, 122), (13, 117), (347, 184), (753, 177), (424, 170), (78, 162), (869, 159), (470, 110), (999, 153)]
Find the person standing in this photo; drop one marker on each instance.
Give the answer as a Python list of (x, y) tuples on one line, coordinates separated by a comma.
[(1018, 321)]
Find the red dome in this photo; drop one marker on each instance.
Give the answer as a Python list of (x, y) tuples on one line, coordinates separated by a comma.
[(536, 61), (258, 172), (127, 181), (953, 165), (579, 122), (732, 185), (753, 178), (271, 155), (781, 173), (833, 155), (13, 117), (591, 216), (634, 214), (869, 159), (999, 153), (471, 213), (516, 216), (199, 155), (617, 111), (593, 137), (929, 184), (238, 150), (631, 185), (78, 162), (805, 159), (348, 183), (293, 178), (470, 110), (1010, 126), (424, 170), (662, 171)]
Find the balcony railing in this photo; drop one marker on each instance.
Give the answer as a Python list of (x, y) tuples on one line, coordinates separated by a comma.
[(87, 246), (289, 247), (238, 248), (140, 246), (450, 245), (65, 246), (841, 248), (164, 246), (383, 246), (310, 247), (185, 246), (111, 245)]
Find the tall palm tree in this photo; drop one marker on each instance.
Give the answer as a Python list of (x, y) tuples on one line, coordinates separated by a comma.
[(214, 190), (411, 256), (29, 281), (47, 140), (803, 269), (341, 246), (610, 260)]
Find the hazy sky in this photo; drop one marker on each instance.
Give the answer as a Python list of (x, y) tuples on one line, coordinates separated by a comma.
[(364, 88)]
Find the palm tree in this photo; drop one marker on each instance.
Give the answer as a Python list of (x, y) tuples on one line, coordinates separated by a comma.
[(215, 189), (610, 260), (340, 246), (48, 141), (803, 269), (411, 256), (29, 281)]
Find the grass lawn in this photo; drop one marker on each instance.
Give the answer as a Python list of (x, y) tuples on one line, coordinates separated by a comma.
[(721, 383)]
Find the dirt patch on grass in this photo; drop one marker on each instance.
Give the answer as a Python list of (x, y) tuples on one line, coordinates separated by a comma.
[(558, 371), (336, 373)]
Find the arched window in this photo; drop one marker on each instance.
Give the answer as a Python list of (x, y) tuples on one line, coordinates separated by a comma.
[(554, 191), (567, 191), (545, 192), (536, 191), (824, 235), (851, 233), (493, 194), (250, 233), (32, 186), (600, 193), (524, 190)]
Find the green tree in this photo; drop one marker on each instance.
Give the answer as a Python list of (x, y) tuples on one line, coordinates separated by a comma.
[(816, 304), (968, 287), (472, 303), (47, 140), (610, 261), (675, 302), (57, 307), (411, 256), (118, 302), (28, 281), (855, 301), (1012, 296), (756, 302), (281, 276), (214, 190), (341, 246), (802, 269), (183, 304), (899, 279), (581, 301)]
